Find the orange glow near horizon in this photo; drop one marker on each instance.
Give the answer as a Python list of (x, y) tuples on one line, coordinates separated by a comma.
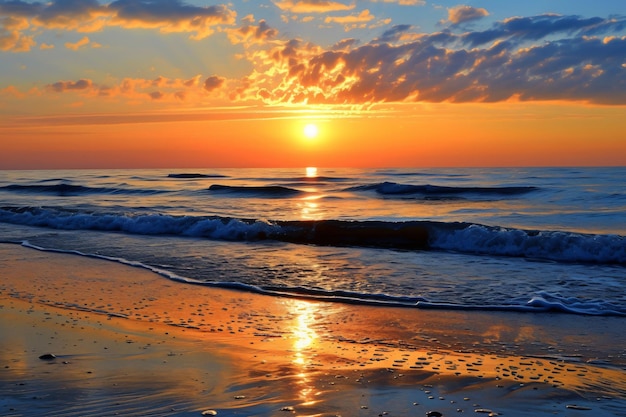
[(426, 135)]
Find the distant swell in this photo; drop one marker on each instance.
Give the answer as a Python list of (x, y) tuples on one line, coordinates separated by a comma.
[(65, 189), (392, 188), (467, 238), (267, 191), (316, 179), (192, 175)]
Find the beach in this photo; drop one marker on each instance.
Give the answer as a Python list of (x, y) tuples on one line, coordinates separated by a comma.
[(127, 341)]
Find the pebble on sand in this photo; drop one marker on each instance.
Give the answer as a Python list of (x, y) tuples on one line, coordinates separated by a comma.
[(577, 407), (47, 357)]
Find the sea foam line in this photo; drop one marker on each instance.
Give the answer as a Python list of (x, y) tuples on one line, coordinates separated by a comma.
[(538, 303)]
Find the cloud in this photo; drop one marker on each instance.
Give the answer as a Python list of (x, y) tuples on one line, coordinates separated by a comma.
[(395, 33), (77, 45), (364, 16), (402, 2), (213, 83), (156, 95), (12, 37), (13, 91), (543, 57), (168, 16), (250, 33), (462, 14), (568, 64), (62, 86), (534, 28), (312, 6), (161, 89), (83, 15)]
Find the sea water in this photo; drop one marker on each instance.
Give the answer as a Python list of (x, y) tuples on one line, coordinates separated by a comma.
[(522, 239)]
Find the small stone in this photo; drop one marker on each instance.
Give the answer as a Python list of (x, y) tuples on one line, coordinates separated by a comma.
[(577, 407), (47, 357), (434, 414), (209, 413), (289, 408)]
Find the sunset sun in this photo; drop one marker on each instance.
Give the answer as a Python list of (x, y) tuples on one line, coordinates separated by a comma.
[(310, 131)]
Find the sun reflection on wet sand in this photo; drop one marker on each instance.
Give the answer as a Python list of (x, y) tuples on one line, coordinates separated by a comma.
[(304, 338)]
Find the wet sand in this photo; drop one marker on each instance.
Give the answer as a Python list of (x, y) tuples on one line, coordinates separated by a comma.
[(130, 342)]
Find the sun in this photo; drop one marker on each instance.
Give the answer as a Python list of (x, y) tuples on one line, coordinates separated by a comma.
[(310, 131)]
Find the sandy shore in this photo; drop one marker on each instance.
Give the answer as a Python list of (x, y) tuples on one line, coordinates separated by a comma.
[(130, 342)]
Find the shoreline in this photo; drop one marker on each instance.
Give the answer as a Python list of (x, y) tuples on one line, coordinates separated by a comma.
[(131, 342)]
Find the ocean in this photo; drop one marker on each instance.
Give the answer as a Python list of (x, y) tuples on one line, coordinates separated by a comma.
[(535, 240)]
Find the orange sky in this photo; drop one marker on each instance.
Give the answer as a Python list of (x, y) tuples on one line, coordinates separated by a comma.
[(138, 84), (516, 134)]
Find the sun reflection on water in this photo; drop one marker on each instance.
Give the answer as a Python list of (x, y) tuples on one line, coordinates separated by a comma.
[(309, 210), (309, 207), (311, 172)]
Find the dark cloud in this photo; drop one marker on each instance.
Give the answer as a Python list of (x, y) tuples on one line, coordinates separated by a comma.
[(213, 82), (393, 34), (19, 8), (166, 11), (61, 11), (62, 86), (534, 28), (91, 16), (345, 43)]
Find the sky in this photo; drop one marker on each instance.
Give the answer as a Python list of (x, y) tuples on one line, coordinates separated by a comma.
[(326, 83)]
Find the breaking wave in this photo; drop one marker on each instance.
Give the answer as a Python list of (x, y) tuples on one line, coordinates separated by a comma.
[(470, 238)]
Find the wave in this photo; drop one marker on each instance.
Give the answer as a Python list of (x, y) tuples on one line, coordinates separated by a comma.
[(392, 189), (192, 175), (470, 238), (316, 179), (420, 174), (305, 179), (560, 246), (67, 190), (537, 303), (265, 191)]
